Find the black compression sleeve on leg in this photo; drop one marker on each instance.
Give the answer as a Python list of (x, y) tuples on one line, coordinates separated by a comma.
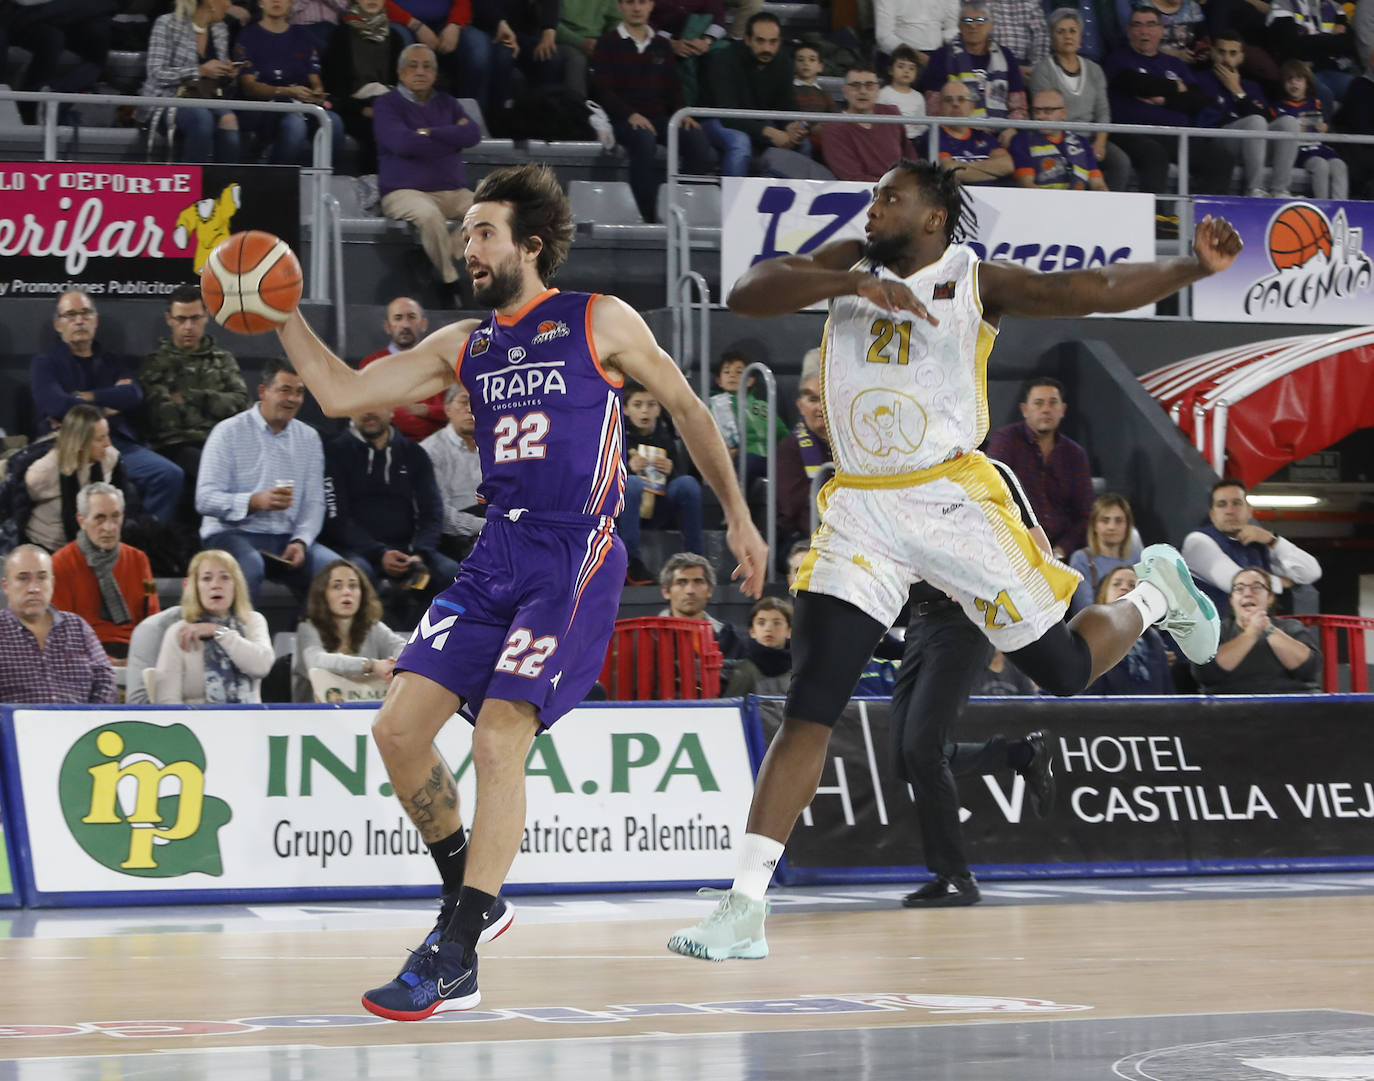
[(1059, 661), (832, 640)]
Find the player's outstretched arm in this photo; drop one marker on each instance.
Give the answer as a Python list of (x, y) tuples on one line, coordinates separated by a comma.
[(1007, 289), (790, 283), (402, 378), (624, 342)]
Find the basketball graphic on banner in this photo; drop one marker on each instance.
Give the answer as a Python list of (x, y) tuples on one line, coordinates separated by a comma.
[(1298, 233), (252, 282)]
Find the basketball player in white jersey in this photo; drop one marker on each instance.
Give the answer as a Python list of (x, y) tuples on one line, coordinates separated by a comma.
[(913, 316)]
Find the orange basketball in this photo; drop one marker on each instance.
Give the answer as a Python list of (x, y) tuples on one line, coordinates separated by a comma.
[(252, 282), (1297, 234)]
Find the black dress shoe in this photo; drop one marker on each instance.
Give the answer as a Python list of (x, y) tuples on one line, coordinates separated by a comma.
[(953, 891), (1039, 774)]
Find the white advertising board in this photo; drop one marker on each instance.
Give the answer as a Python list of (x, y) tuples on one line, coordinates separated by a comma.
[(298, 799), (1043, 230)]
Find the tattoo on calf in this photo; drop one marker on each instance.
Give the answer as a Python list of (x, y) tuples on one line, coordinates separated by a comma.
[(437, 795)]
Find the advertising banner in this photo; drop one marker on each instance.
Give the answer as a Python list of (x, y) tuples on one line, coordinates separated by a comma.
[(123, 230), (9, 896), (1180, 785), (1044, 230), (123, 804), (1305, 261)]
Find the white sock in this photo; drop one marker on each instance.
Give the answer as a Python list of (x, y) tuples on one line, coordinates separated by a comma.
[(758, 859), (1149, 601)]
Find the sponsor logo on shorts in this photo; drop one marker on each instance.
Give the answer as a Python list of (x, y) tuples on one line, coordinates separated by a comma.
[(548, 330)]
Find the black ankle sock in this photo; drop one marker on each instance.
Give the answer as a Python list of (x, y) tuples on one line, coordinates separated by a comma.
[(466, 926), (1019, 754), (451, 857)]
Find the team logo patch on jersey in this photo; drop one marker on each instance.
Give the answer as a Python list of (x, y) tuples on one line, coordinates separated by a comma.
[(548, 330), (515, 355), (943, 291), (479, 346)]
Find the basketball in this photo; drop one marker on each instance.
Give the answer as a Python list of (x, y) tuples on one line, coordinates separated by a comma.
[(251, 283), (1298, 233)]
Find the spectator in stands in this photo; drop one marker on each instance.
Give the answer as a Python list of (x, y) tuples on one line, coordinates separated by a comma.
[(1111, 527), (1316, 31), (800, 457), (1356, 117), (1145, 669), (46, 655), (108, 584), (1147, 86), (343, 632), (901, 92), (1259, 654), (458, 473), (359, 66), (581, 23), (1231, 540), (972, 154), (1051, 467), (1099, 24), (189, 386), (190, 49), (756, 74), (421, 136), (261, 487), (1183, 27), (1238, 104), (1326, 170), (1002, 679), (47, 29), (795, 555), (864, 151), (278, 62), (1080, 79), (659, 492), (144, 645), (322, 17), (687, 581), (921, 25), (382, 506), (693, 27), (79, 370), (766, 666), (524, 35), (220, 650), (989, 71), (1052, 157), (406, 324), (80, 452), (636, 82), (1021, 27), (725, 409)]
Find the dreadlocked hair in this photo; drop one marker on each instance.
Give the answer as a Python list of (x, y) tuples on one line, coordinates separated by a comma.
[(943, 187)]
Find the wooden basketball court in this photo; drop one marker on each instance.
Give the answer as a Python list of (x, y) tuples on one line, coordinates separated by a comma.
[(1258, 977)]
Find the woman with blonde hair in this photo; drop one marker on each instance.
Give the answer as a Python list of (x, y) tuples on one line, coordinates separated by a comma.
[(81, 454), (220, 650), (1111, 531), (188, 60), (343, 632)]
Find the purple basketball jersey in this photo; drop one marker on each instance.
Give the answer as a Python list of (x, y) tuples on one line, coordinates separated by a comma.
[(548, 427)]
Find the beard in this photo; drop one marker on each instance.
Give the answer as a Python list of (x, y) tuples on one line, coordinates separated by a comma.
[(502, 287), (886, 250), (405, 337)]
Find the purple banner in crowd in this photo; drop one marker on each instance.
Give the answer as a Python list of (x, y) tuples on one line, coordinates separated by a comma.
[(1305, 261)]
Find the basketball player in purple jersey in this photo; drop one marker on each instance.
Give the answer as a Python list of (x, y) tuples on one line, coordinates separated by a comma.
[(520, 636)]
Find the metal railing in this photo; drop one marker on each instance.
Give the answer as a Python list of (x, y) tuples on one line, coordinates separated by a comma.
[(322, 163)]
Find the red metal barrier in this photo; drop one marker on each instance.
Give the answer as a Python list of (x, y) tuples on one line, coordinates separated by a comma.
[(1330, 628), (661, 659)]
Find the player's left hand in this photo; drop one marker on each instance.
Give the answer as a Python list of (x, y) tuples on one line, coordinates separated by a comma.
[(895, 297), (752, 553), (1216, 244)]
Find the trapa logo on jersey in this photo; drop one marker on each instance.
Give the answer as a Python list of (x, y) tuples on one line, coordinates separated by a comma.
[(526, 377)]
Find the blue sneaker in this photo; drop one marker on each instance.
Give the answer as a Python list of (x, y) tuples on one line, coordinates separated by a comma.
[(497, 923), (441, 979)]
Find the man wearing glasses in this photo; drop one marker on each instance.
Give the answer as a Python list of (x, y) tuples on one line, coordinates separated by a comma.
[(1053, 158), (864, 151), (990, 72), (189, 385), (971, 154), (77, 369)]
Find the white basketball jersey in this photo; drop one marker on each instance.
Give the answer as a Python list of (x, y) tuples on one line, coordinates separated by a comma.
[(901, 395)]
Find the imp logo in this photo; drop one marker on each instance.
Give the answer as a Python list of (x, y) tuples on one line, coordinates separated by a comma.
[(515, 355), (209, 221), (133, 796), (885, 421)]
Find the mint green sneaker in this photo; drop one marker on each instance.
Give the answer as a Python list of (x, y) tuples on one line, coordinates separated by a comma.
[(734, 929), (1192, 617)]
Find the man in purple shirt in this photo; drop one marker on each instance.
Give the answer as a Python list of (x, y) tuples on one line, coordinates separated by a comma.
[(421, 136), (46, 656), (1051, 467)]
